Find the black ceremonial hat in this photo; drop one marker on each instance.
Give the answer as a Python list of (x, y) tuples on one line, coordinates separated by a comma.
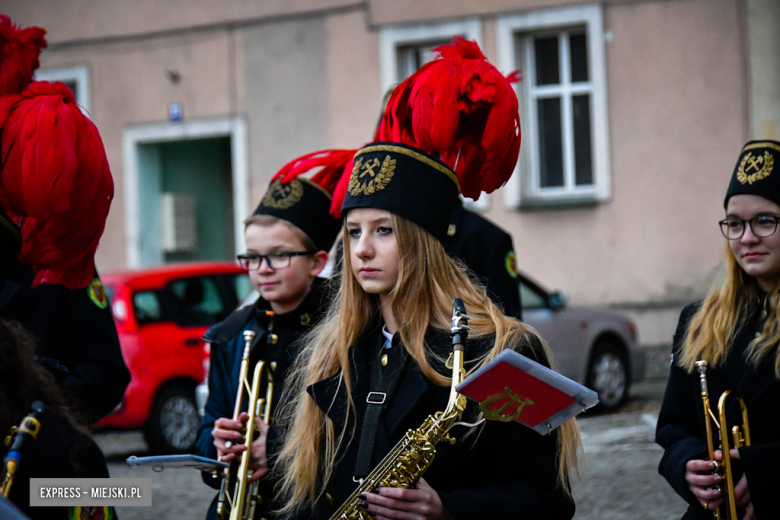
[(405, 181), (305, 204), (755, 172)]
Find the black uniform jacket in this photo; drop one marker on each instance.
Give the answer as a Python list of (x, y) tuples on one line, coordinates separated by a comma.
[(499, 471), (69, 328), (227, 347), (487, 250), (681, 427), (59, 452)]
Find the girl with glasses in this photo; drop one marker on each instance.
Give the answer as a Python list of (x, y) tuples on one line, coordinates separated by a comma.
[(736, 330)]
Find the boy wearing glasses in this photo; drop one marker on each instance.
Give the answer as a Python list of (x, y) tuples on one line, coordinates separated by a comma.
[(288, 238)]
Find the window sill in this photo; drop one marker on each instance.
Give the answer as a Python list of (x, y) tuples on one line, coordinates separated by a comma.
[(574, 199)]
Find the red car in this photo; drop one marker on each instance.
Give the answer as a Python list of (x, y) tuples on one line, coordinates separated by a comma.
[(161, 314)]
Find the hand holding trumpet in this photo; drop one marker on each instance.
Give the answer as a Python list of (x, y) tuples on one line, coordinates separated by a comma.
[(227, 431), (703, 483)]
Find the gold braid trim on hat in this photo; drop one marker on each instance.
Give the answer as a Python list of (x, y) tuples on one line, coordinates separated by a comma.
[(762, 144), (414, 155)]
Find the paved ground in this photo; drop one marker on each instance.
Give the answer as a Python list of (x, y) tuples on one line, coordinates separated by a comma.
[(621, 477), (621, 480)]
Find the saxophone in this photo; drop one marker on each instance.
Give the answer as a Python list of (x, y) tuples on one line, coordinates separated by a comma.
[(410, 458)]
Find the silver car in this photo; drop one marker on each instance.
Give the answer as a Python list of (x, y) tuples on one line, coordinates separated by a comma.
[(593, 347)]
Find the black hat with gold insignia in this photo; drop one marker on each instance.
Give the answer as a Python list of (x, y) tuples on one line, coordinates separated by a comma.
[(403, 180), (755, 172), (306, 202)]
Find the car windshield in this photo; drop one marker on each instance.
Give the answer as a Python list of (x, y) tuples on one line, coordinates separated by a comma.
[(196, 301), (146, 306)]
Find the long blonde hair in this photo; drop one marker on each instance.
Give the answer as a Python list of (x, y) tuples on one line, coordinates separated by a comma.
[(725, 309), (428, 280)]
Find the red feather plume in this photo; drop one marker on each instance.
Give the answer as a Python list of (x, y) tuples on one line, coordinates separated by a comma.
[(19, 51), (462, 107), (332, 163), (55, 182)]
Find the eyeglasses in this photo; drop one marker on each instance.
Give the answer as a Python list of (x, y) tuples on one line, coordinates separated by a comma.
[(275, 259), (762, 226)]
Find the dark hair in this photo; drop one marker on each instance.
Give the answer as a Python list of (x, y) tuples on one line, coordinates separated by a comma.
[(23, 381)]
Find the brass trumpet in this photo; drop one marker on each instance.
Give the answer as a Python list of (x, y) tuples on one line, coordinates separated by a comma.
[(242, 503), (741, 437)]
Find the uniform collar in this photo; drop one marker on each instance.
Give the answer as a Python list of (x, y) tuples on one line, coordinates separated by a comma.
[(310, 310)]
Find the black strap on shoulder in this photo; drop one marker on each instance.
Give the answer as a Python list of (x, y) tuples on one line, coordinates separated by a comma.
[(383, 384)]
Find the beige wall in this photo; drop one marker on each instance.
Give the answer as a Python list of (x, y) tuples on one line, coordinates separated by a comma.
[(305, 75), (387, 12), (286, 94), (353, 76), (75, 20), (675, 99)]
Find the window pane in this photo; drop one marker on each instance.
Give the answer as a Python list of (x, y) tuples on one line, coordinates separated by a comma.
[(578, 46), (582, 149), (147, 307), (530, 298), (550, 142), (546, 56), (412, 57), (196, 301), (407, 61)]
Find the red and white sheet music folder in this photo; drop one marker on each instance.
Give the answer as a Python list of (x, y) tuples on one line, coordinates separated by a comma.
[(514, 387)]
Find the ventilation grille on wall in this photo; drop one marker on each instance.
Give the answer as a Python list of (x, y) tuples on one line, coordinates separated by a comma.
[(178, 223)]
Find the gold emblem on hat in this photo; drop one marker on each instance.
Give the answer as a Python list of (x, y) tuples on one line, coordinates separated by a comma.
[(283, 196), (761, 166), (358, 183)]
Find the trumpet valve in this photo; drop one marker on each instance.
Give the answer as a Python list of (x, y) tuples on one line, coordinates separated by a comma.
[(739, 439)]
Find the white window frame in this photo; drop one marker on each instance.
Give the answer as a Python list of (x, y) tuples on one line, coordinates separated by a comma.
[(134, 136), (78, 74), (393, 37), (523, 189)]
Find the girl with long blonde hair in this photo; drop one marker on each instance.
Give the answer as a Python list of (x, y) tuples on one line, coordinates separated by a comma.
[(393, 310), (736, 330), (377, 365)]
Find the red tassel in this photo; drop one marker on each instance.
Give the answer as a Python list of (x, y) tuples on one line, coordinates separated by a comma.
[(56, 181), (462, 107), (19, 51)]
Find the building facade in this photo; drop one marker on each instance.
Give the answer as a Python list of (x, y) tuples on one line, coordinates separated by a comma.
[(633, 113)]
